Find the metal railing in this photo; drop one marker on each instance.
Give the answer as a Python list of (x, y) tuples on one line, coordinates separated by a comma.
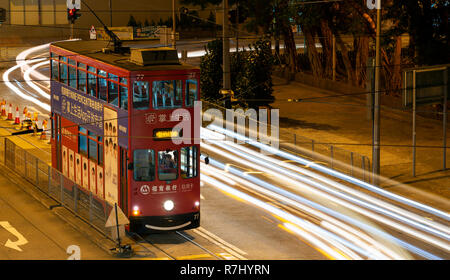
[(50, 181), (336, 158)]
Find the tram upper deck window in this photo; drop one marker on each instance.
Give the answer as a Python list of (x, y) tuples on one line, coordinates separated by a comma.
[(191, 92), (124, 97), (140, 95), (72, 73), (63, 70), (92, 81), (102, 86), (167, 94), (113, 89), (167, 165), (144, 165), (55, 70), (82, 80)]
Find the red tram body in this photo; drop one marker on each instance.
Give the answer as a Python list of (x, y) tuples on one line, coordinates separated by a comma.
[(114, 122)]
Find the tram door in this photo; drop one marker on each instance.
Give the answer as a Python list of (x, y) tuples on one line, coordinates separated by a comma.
[(123, 192)]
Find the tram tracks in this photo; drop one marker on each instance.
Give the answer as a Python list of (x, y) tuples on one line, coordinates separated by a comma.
[(199, 243)]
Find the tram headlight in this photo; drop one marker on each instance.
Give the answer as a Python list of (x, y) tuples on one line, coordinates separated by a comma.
[(196, 205), (136, 211), (168, 205)]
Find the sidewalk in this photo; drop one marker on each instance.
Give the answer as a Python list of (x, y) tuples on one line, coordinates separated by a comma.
[(342, 122)]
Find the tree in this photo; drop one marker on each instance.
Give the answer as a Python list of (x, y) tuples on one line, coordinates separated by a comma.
[(211, 71), (132, 21), (251, 74)]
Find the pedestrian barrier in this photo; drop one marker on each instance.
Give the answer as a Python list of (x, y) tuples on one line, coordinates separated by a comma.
[(83, 203)]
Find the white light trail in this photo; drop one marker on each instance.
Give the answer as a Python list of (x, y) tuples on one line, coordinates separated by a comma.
[(381, 207), (369, 250), (324, 209), (292, 219), (17, 91), (30, 82), (334, 173), (255, 162)]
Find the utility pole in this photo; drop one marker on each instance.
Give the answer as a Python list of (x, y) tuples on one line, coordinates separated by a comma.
[(110, 13), (377, 104), (226, 53), (174, 39)]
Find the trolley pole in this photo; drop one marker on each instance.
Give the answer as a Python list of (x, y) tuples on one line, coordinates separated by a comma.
[(377, 103), (226, 52)]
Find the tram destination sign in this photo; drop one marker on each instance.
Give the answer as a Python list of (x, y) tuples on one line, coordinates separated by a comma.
[(81, 109), (86, 111)]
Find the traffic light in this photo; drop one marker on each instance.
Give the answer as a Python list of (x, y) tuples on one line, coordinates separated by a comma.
[(73, 15), (2, 15)]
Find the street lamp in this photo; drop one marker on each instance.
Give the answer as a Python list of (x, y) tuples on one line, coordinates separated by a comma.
[(376, 4), (173, 25)]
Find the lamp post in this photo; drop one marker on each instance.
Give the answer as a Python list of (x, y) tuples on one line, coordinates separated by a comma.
[(174, 44), (377, 102), (226, 51)]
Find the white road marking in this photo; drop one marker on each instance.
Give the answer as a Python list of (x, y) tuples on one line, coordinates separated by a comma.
[(20, 239)]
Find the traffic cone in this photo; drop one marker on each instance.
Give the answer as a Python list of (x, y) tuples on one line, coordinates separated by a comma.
[(3, 108), (24, 113), (44, 128), (10, 115), (17, 119)]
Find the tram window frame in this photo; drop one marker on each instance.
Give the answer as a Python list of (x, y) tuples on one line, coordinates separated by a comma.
[(176, 95), (140, 165), (144, 102), (187, 93), (187, 171), (168, 176)]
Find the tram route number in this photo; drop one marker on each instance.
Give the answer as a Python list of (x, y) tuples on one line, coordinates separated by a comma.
[(231, 271)]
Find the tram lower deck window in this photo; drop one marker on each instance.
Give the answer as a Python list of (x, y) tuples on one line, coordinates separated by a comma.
[(188, 159), (144, 165), (167, 165)]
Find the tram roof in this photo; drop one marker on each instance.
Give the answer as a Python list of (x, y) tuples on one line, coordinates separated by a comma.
[(93, 49)]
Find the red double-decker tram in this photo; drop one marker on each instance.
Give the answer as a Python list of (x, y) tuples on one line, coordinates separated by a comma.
[(123, 128)]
